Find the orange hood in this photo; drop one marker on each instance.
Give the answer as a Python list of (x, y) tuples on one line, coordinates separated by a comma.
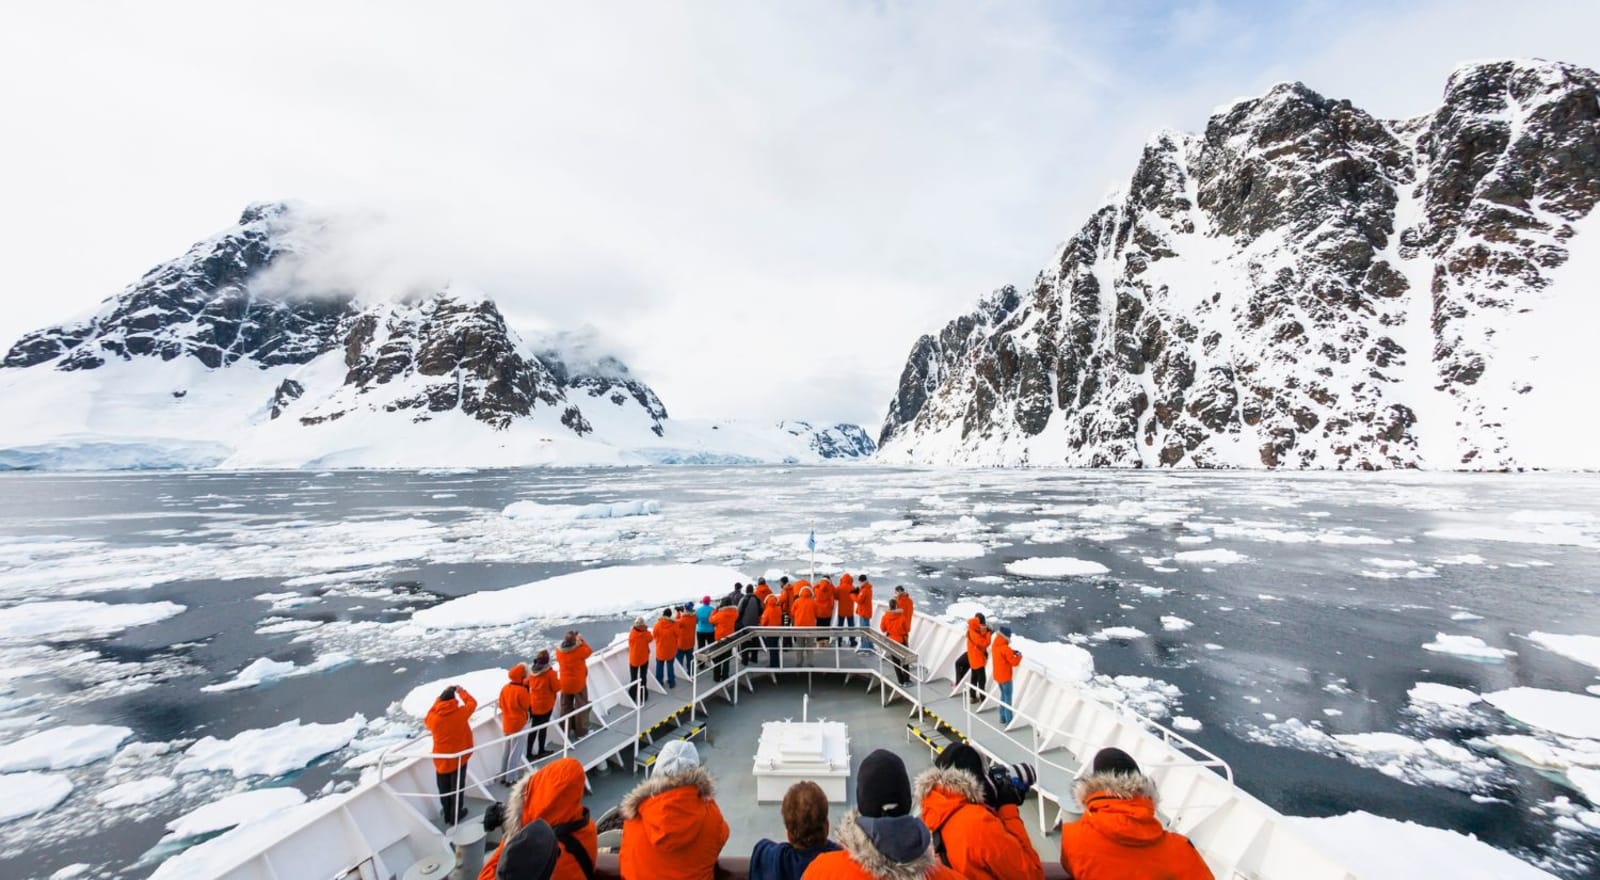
[(554, 793), (1122, 807), (518, 673)]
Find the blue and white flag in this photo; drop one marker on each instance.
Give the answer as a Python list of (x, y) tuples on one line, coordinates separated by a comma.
[(811, 540)]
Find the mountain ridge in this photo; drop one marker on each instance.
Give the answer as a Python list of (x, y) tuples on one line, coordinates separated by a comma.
[(214, 359), (1300, 285)]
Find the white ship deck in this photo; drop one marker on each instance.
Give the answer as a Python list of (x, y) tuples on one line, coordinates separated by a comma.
[(390, 821)]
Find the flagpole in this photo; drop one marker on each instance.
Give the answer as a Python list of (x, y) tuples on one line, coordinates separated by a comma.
[(813, 543)]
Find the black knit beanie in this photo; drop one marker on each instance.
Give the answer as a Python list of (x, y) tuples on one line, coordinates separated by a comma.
[(531, 855), (1113, 760), (882, 786), (961, 756)]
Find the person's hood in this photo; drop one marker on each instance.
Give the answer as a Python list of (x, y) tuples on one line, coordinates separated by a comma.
[(887, 848), (1121, 806), (553, 793), (671, 806), (806, 592), (943, 790), (772, 600), (518, 673), (564, 647), (973, 626)]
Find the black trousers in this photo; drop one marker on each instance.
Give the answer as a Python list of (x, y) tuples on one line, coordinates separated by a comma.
[(637, 677), (537, 735), (452, 793), (979, 679), (702, 639)]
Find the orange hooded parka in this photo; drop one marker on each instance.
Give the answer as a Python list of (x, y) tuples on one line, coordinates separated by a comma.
[(553, 793), (1118, 837), (672, 828), (981, 843), (450, 722), (514, 700)]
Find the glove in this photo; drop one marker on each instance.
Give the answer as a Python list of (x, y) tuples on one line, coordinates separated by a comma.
[(1025, 777), (1003, 791), (494, 816)]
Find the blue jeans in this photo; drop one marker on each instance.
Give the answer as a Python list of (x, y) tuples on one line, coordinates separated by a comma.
[(667, 673), (1005, 703)]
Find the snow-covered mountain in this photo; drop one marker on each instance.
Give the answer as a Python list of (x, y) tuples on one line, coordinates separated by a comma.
[(227, 356), (1303, 286)]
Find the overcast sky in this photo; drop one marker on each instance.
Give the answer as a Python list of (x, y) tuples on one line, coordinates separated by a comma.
[(759, 205)]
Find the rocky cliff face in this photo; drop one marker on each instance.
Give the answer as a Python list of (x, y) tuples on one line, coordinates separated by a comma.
[(1303, 285)]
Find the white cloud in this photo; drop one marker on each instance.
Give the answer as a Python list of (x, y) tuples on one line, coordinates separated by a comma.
[(762, 204)]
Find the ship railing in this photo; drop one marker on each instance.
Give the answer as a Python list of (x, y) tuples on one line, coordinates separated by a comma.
[(397, 755), (794, 658)]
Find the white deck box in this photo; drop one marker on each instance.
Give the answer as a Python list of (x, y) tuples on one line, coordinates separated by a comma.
[(791, 751)]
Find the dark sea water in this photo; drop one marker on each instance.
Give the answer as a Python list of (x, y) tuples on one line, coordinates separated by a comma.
[(1312, 601)]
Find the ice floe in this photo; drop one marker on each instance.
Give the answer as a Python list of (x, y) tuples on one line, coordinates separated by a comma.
[(1470, 647), (1055, 567), (1173, 623), (1058, 660), (533, 510), (1432, 761), (23, 794), (1118, 632), (1185, 724), (1375, 848), (74, 618), (59, 748), (1584, 649), (270, 751), (1213, 556), (595, 592), (1559, 712), (136, 792), (266, 670), (258, 824), (235, 809)]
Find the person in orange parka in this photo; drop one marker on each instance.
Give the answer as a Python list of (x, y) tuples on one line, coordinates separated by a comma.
[(1005, 659), (572, 655), (666, 639), (1119, 837), (881, 838), (543, 686), (762, 590), (803, 611), (514, 717), (903, 599), (864, 610), (672, 828), (845, 595), (553, 793), (823, 597), (686, 624), (723, 622), (450, 722), (893, 625), (772, 615), (976, 824), (639, 658), (978, 654)]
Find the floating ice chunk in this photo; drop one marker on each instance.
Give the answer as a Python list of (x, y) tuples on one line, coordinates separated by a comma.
[(23, 794), (1171, 623), (1055, 567), (598, 591), (271, 751), (483, 684), (532, 510), (1584, 649), (266, 670), (1214, 556), (1436, 694), (1154, 591), (1462, 559), (1394, 850), (988, 579), (1470, 647), (1118, 632), (1383, 743), (235, 809), (891, 525), (1465, 615), (287, 626), (59, 748), (219, 855), (1587, 781), (1545, 754), (929, 550), (1194, 539), (139, 791), (80, 619), (1560, 712), (1185, 724)]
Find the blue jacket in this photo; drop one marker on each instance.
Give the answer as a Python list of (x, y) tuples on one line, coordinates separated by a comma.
[(781, 861), (702, 616)]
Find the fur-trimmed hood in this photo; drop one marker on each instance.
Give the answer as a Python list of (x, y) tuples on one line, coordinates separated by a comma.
[(699, 777), (957, 782), (1117, 785), (863, 850), (554, 793)]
